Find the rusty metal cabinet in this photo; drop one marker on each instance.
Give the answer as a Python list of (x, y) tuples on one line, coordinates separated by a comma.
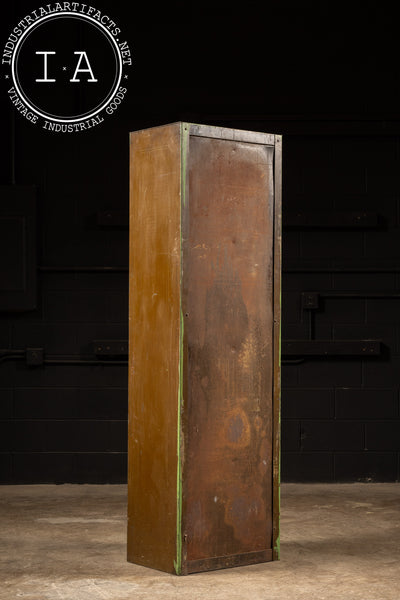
[(204, 334)]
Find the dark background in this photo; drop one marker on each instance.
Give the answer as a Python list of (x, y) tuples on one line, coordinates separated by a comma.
[(325, 78)]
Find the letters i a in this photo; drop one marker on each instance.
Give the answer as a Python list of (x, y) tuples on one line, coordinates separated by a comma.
[(82, 56)]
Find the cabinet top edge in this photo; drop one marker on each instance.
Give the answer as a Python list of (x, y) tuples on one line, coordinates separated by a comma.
[(224, 133)]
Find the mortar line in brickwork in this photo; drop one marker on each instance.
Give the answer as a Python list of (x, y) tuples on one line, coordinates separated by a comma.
[(330, 269), (334, 402), (300, 245), (334, 465), (13, 412), (300, 435), (76, 335), (362, 374)]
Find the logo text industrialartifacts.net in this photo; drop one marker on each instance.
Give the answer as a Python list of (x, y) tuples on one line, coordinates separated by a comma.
[(66, 64)]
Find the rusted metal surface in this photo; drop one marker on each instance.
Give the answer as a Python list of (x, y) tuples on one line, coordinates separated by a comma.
[(225, 562), (204, 348), (154, 315), (228, 279)]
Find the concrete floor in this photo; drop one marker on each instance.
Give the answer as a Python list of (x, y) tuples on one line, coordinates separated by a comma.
[(68, 543)]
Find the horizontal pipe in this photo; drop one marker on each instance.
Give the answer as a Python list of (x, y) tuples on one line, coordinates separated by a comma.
[(85, 269), (11, 357), (300, 348), (84, 362), (52, 360), (383, 295), (341, 270)]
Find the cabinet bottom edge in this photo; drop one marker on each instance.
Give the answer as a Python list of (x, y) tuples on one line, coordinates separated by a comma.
[(226, 562)]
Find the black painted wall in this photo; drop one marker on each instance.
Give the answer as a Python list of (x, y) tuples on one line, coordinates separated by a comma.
[(341, 417), (308, 72)]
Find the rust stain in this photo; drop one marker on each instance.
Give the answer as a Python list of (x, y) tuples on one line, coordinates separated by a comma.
[(228, 467), (237, 432)]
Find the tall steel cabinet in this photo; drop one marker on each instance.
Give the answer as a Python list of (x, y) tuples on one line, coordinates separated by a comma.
[(204, 355)]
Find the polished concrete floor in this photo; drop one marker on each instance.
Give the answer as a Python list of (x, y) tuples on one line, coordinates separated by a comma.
[(68, 543)]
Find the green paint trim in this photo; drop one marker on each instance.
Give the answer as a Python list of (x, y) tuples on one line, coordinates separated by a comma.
[(277, 547), (184, 138), (178, 562), (184, 154)]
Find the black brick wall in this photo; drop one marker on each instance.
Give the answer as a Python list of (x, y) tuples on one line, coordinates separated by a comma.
[(68, 423), (340, 415)]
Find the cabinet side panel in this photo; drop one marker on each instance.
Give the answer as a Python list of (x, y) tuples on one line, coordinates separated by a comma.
[(154, 322), (228, 287)]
